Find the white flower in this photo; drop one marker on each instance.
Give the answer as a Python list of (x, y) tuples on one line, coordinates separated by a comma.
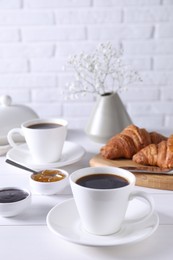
[(100, 72)]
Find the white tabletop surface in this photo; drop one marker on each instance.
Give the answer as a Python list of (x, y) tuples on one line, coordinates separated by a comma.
[(27, 236)]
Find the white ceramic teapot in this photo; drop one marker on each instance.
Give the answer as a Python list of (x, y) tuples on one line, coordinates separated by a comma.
[(11, 116)]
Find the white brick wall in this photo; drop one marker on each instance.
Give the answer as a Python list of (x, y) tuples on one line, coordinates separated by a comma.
[(36, 36)]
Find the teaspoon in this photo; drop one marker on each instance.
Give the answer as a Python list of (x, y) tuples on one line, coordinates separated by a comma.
[(20, 166), (44, 175)]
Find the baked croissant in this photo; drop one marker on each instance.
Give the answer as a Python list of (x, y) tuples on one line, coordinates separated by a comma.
[(157, 154), (131, 140)]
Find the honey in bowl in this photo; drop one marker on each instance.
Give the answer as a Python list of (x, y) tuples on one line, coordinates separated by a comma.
[(48, 176)]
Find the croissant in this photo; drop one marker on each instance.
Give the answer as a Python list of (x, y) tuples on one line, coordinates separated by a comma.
[(131, 140), (157, 154)]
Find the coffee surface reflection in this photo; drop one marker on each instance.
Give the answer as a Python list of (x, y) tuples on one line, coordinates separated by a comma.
[(102, 181), (44, 126)]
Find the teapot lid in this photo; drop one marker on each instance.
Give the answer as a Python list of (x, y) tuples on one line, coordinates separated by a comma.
[(12, 116)]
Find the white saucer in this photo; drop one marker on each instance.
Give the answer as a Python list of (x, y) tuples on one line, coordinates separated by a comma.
[(71, 153), (68, 226)]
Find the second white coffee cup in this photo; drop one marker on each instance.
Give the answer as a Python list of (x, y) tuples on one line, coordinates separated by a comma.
[(102, 209), (45, 138)]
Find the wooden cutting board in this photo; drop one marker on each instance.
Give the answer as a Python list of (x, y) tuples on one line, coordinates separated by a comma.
[(150, 180)]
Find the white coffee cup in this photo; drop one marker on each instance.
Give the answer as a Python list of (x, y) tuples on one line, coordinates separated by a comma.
[(102, 211), (45, 138)]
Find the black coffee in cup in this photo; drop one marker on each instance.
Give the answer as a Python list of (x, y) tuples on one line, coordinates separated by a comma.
[(102, 181), (44, 126)]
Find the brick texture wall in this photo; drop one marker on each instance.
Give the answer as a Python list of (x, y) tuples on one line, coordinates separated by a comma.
[(36, 36)]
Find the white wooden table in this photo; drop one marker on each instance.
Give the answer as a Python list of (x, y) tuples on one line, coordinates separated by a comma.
[(27, 237)]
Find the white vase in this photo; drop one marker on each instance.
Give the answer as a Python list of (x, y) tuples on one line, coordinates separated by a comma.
[(108, 118)]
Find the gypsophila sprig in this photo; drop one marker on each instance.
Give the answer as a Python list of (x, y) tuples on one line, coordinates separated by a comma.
[(100, 72)]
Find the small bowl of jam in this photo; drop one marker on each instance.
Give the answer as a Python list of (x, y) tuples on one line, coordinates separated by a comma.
[(49, 182), (13, 201)]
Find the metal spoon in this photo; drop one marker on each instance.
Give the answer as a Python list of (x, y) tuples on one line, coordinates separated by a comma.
[(20, 166), (26, 168)]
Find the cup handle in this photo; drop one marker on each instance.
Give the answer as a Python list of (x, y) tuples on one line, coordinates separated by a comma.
[(149, 201), (11, 134)]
